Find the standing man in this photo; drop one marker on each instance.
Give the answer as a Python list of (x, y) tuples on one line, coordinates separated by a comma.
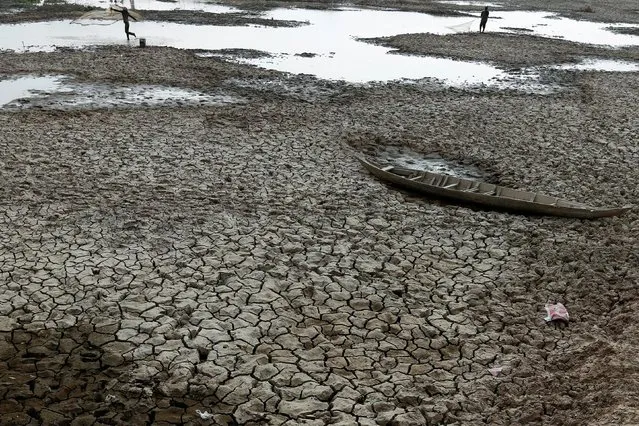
[(125, 17), (484, 19)]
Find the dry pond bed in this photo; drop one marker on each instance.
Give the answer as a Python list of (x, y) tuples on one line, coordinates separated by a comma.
[(158, 263)]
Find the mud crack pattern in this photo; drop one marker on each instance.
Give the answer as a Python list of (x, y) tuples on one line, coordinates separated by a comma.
[(237, 260)]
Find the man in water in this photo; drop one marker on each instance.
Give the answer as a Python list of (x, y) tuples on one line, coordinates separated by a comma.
[(484, 19), (125, 18)]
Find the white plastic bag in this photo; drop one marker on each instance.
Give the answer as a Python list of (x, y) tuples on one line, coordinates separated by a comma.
[(556, 312), (204, 414)]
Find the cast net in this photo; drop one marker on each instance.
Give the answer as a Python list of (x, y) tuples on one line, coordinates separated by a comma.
[(104, 16), (464, 27)]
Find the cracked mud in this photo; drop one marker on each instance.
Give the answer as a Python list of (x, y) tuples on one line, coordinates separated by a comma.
[(161, 262)]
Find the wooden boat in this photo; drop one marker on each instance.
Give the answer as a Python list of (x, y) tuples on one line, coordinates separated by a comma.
[(487, 194)]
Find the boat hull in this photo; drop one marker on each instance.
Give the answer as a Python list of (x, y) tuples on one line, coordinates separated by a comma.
[(489, 195)]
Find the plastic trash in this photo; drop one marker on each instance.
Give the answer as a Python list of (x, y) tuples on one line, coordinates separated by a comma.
[(495, 371), (204, 414), (556, 312)]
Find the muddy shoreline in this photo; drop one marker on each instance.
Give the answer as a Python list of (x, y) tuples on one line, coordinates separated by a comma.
[(502, 50), (161, 262)]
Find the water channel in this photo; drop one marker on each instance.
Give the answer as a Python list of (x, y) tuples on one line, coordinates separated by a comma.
[(325, 44)]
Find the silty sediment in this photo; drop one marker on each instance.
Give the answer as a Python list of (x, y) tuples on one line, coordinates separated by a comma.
[(237, 260)]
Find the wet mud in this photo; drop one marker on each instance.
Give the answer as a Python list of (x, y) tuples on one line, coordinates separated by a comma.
[(503, 50)]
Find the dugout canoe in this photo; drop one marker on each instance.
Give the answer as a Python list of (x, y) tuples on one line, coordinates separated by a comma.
[(487, 194)]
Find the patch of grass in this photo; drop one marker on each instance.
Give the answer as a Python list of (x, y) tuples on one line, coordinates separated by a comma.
[(587, 9)]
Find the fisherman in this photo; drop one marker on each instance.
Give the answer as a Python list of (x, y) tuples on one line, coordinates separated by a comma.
[(125, 17), (484, 19)]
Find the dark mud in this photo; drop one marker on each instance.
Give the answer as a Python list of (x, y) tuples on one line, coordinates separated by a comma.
[(604, 11), (223, 19), (503, 50), (236, 259), (72, 11)]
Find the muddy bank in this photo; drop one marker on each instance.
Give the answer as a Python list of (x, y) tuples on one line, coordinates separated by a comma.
[(501, 49), (118, 64), (72, 11), (604, 11), (47, 12), (225, 19)]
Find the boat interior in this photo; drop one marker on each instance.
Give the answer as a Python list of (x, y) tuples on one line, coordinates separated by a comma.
[(454, 183)]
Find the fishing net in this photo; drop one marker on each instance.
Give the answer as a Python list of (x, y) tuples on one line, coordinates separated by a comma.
[(104, 16), (97, 17), (132, 12), (464, 27)]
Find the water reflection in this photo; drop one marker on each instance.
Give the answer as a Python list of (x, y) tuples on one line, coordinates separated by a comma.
[(336, 52), (59, 92), (550, 25), (325, 45), (25, 87), (602, 65), (372, 63), (406, 157)]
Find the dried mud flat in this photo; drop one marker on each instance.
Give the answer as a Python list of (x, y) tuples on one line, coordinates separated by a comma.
[(236, 260)]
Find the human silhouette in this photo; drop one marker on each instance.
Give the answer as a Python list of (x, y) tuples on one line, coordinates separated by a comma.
[(125, 17), (484, 19)]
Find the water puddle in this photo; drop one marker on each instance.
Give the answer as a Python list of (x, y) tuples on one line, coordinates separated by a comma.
[(405, 157), (26, 87), (325, 44), (59, 92), (372, 63), (549, 25), (601, 65)]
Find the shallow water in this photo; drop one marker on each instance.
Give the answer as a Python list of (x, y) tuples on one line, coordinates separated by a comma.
[(405, 157), (25, 87), (372, 63), (60, 92), (324, 45), (337, 54), (602, 65), (549, 25)]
